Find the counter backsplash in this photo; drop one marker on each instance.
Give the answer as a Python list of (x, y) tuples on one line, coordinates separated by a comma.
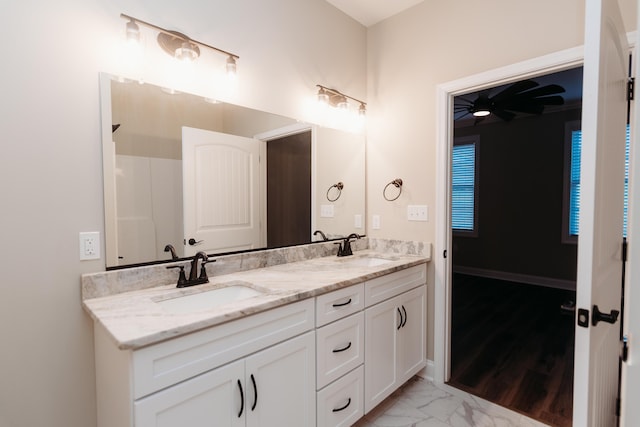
[(95, 285)]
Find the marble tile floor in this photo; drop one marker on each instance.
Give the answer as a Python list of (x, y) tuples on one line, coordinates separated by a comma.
[(421, 403)]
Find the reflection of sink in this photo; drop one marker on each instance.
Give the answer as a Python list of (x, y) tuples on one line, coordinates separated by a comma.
[(368, 261), (208, 299)]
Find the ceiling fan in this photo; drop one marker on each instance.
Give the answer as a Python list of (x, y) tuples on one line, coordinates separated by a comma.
[(521, 97)]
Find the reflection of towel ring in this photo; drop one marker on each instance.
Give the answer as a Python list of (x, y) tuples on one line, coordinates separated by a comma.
[(339, 186), (396, 183)]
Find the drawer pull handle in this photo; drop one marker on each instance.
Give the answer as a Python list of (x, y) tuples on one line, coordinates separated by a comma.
[(345, 348), (241, 399), (344, 407), (343, 303), (255, 393), (405, 316), (401, 320)]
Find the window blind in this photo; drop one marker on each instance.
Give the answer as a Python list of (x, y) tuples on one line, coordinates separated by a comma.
[(463, 187)]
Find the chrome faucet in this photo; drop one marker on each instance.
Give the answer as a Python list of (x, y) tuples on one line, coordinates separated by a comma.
[(194, 278), (324, 237)]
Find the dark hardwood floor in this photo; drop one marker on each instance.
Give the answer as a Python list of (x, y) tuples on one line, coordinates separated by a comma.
[(513, 345)]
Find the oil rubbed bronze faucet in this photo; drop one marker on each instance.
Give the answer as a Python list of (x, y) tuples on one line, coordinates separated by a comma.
[(194, 278), (345, 248), (324, 237)]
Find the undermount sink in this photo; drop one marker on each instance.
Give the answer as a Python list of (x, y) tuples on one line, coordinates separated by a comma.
[(368, 261), (207, 300)]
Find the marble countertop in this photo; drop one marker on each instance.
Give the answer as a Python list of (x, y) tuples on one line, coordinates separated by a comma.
[(135, 319)]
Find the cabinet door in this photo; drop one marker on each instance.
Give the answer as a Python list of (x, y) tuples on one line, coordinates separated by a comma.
[(412, 335), (208, 400), (281, 384), (380, 373)]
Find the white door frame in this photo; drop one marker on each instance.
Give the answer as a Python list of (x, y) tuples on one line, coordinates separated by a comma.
[(551, 63), (547, 64)]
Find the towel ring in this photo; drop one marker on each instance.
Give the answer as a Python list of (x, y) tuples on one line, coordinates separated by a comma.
[(339, 186), (396, 183)]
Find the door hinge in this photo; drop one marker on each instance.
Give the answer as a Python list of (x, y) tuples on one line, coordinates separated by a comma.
[(444, 253), (618, 406), (624, 250), (624, 348), (630, 88)]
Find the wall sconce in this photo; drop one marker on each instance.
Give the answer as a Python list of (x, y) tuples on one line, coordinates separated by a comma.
[(176, 44), (396, 183), (337, 99)]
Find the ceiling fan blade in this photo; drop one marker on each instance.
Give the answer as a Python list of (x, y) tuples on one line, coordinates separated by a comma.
[(551, 100), (504, 115), (543, 91), (461, 116), (526, 107), (514, 89)]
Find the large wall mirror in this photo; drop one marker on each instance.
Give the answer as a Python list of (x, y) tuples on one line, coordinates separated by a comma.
[(196, 174)]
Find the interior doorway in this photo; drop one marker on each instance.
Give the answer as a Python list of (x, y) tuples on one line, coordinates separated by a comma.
[(514, 258)]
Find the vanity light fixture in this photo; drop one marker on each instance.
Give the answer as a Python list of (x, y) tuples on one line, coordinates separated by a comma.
[(176, 44), (337, 99)]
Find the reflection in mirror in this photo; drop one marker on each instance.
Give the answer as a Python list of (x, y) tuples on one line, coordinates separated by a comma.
[(197, 174)]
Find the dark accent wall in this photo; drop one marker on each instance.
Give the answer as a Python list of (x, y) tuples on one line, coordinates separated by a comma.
[(520, 167)]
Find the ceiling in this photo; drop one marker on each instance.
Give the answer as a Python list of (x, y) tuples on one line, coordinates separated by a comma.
[(370, 12)]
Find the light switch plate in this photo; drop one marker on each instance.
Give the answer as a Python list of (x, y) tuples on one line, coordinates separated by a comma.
[(417, 213), (89, 245), (326, 211), (357, 221)]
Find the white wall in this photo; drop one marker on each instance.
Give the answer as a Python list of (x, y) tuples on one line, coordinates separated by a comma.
[(410, 54), (51, 172)]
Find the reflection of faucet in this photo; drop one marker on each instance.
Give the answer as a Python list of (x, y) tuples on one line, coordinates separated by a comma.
[(345, 248), (324, 237), (194, 279), (170, 248)]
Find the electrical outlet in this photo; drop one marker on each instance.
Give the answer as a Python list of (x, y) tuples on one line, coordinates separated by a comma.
[(417, 213), (89, 245), (375, 222)]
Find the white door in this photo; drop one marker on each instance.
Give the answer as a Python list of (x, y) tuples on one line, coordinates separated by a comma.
[(601, 213), (216, 398), (221, 191), (281, 386)]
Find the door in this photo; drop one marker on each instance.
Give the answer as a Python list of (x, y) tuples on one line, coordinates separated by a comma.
[(281, 387), (221, 193), (289, 190), (211, 399), (412, 346), (380, 351), (601, 213)]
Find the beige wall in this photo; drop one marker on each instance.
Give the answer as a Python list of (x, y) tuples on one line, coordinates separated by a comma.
[(51, 173), (436, 42)]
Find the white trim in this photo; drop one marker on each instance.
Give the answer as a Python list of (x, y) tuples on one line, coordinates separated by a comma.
[(550, 282), (554, 62)]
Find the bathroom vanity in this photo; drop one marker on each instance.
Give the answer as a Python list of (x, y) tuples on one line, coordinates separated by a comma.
[(315, 342)]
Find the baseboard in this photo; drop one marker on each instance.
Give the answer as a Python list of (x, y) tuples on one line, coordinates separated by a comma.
[(428, 371), (550, 282)]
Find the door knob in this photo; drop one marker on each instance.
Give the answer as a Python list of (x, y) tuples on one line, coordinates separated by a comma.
[(194, 242), (604, 317)]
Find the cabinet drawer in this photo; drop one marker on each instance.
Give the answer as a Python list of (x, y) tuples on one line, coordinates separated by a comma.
[(338, 304), (385, 287), (167, 363), (341, 403), (340, 347)]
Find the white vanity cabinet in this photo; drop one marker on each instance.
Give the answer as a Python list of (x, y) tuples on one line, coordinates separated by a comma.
[(260, 390), (395, 332), (255, 371)]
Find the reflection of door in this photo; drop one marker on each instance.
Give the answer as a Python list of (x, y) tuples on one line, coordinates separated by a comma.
[(289, 190), (221, 191), (601, 213)]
